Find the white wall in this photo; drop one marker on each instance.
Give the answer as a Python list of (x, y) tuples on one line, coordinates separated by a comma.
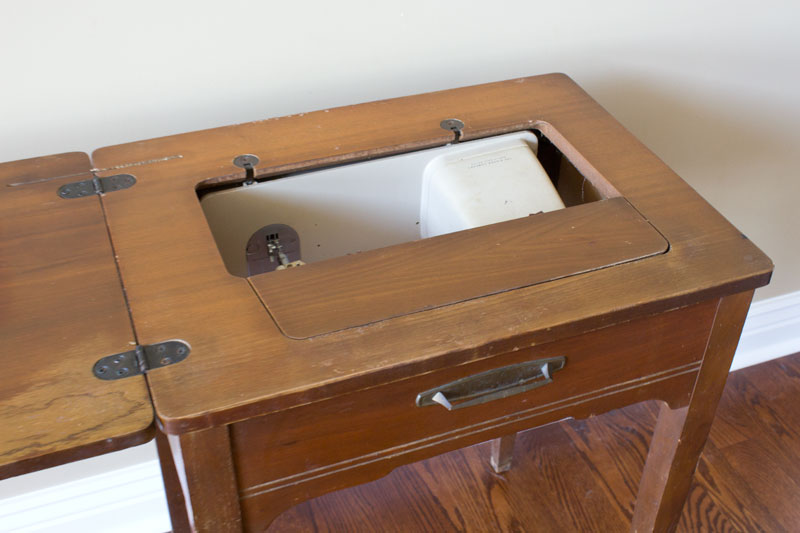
[(713, 87)]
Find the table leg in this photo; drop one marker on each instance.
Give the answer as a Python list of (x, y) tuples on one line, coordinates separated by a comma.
[(205, 470), (172, 486), (681, 434), (502, 453)]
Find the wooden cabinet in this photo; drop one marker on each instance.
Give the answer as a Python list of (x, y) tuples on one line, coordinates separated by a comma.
[(301, 452), (303, 381)]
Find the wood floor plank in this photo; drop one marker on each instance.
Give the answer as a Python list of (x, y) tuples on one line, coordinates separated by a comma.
[(566, 479), (616, 446), (734, 420), (771, 413), (769, 396), (771, 480), (583, 475), (720, 500), (776, 380), (489, 505)]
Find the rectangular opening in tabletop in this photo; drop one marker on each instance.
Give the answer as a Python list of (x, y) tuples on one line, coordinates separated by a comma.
[(355, 244), (317, 215)]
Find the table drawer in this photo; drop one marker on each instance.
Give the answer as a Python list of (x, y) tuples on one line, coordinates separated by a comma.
[(383, 421)]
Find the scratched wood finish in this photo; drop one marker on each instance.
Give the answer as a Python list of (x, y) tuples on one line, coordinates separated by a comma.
[(61, 309), (353, 291), (260, 509), (308, 450), (242, 366), (582, 475), (680, 434), (320, 434)]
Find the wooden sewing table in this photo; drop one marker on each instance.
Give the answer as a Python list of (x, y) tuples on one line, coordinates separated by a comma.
[(304, 381)]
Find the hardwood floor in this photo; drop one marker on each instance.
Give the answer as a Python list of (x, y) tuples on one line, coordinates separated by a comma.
[(582, 475)]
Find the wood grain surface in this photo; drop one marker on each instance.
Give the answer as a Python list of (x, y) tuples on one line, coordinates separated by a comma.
[(295, 454), (260, 510), (288, 446), (205, 470), (242, 365), (61, 309), (353, 290), (178, 513), (582, 475), (680, 434)]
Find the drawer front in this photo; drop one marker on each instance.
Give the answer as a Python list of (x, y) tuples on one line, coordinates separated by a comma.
[(286, 447)]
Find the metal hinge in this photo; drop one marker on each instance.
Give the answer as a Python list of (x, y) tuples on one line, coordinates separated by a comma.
[(79, 189), (141, 359), (248, 162), (455, 125)]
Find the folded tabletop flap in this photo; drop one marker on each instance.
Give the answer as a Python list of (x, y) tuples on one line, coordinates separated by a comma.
[(61, 309)]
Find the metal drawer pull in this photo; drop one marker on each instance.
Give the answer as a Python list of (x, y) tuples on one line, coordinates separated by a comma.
[(492, 384)]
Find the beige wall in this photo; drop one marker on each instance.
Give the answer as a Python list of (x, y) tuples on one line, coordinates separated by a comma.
[(712, 87)]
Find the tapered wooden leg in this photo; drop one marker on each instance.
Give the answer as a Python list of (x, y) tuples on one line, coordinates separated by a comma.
[(205, 469), (681, 434), (172, 486), (502, 453)]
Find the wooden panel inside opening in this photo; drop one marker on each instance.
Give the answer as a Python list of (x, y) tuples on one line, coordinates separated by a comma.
[(364, 288)]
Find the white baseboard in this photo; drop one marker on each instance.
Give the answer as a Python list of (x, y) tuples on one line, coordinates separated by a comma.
[(131, 498), (125, 500), (772, 330)]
